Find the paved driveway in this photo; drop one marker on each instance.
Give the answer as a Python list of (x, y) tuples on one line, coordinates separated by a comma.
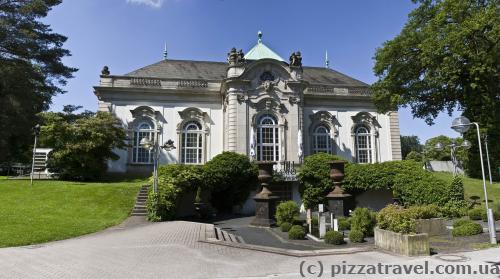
[(171, 250)]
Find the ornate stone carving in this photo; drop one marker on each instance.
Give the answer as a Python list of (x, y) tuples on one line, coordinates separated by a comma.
[(235, 57), (190, 114), (105, 71), (267, 75), (148, 82), (268, 86), (192, 83), (296, 59), (294, 100), (366, 118)]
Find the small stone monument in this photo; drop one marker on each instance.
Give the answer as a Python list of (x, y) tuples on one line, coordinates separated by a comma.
[(338, 201), (265, 202)]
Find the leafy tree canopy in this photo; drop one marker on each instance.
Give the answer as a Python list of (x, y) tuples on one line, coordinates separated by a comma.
[(31, 71), (409, 144), (444, 155), (82, 142)]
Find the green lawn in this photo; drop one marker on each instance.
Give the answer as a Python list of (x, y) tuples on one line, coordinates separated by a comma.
[(474, 187), (54, 210)]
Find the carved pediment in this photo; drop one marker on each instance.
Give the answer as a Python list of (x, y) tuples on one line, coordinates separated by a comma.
[(365, 118), (145, 112), (190, 114)]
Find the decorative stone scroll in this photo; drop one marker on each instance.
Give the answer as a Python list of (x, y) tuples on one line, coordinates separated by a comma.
[(190, 114)]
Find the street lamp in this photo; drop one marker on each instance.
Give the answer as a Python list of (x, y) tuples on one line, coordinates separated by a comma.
[(36, 132), (462, 124), (153, 145), (488, 157), (453, 148)]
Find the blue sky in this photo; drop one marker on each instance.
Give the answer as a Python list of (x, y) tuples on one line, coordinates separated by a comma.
[(129, 34)]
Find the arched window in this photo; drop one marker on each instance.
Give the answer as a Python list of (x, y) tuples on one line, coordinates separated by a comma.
[(192, 143), (363, 145), (321, 139), (268, 141), (144, 129)]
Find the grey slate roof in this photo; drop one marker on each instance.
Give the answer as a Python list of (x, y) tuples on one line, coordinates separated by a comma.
[(206, 70)]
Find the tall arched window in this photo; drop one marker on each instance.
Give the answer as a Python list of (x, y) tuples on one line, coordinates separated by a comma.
[(321, 139), (268, 141), (144, 129), (192, 143), (363, 145)]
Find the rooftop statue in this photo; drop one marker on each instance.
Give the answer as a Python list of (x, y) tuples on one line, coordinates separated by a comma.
[(235, 57), (296, 59)]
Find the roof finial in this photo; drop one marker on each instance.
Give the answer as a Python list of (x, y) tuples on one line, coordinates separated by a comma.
[(165, 52), (327, 62), (259, 34)]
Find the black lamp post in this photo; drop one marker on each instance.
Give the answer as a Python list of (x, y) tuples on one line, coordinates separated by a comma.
[(155, 147)]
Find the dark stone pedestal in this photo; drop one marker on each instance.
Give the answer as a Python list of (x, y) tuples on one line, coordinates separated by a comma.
[(339, 206), (265, 209)]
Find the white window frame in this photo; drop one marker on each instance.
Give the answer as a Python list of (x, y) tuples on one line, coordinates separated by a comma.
[(139, 132), (367, 136), (199, 148), (275, 136), (316, 135)]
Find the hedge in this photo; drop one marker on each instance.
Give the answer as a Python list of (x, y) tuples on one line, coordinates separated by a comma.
[(363, 220), (314, 179), (467, 229), (296, 232), (285, 226), (397, 219), (334, 237), (356, 236)]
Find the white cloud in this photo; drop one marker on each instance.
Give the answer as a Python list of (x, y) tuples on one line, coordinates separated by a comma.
[(151, 3)]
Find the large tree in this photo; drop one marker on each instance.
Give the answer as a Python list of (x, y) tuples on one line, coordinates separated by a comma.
[(446, 58), (82, 142), (31, 71), (409, 144)]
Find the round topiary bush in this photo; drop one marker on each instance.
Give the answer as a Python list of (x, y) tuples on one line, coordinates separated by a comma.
[(356, 236), (335, 238), (460, 222), (476, 213), (287, 211), (467, 229), (344, 223), (285, 226), (230, 177), (296, 232)]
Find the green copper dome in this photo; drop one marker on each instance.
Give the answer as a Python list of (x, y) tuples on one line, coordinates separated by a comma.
[(261, 51)]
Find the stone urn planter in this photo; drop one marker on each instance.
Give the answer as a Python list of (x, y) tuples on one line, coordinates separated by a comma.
[(265, 201), (403, 244), (432, 227), (338, 201)]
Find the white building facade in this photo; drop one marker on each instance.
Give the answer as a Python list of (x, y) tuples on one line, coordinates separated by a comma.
[(256, 104)]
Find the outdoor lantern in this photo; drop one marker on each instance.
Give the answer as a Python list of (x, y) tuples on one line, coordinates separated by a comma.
[(466, 144), (461, 124), (439, 146), (146, 143)]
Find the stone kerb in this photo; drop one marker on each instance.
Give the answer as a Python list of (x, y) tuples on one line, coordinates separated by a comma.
[(432, 227)]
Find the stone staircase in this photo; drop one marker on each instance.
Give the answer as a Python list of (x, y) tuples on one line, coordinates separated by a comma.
[(140, 203), (223, 235)]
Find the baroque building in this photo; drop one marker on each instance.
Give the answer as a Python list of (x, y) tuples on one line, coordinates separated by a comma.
[(257, 104)]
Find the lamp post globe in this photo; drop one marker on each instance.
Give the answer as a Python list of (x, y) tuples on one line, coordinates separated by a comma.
[(146, 143), (466, 144), (461, 124), (439, 146)]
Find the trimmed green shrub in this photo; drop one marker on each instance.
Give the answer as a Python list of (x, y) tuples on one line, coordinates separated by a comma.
[(455, 209), (476, 213), (456, 190), (314, 221), (285, 226), (397, 219), (407, 180), (230, 177), (479, 213), (296, 232), (467, 229), (344, 223), (335, 238), (424, 211), (363, 220), (460, 222), (298, 221), (314, 179), (356, 236), (286, 211), (174, 180)]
